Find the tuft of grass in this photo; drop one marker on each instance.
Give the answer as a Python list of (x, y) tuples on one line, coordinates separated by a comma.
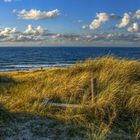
[(114, 112)]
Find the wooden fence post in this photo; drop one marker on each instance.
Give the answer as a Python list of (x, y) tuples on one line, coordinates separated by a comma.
[(93, 88)]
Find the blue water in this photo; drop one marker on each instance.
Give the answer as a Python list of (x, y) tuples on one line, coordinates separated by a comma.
[(26, 58)]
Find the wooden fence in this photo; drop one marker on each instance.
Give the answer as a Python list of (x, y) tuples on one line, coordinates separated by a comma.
[(94, 92)]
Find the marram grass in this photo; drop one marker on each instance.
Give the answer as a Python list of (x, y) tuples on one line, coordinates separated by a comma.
[(115, 112)]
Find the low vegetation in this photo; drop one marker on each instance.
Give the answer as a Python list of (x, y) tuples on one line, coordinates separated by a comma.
[(113, 114)]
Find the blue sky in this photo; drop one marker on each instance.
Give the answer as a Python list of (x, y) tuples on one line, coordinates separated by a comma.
[(75, 22)]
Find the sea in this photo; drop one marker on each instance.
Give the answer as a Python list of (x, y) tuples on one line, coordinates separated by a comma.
[(32, 58)]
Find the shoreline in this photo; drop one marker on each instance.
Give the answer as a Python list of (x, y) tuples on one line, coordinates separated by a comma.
[(35, 70), (39, 67)]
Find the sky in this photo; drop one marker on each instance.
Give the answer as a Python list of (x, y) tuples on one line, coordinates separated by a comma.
[(70, 23)]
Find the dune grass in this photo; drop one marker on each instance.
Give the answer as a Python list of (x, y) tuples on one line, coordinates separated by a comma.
[(115, 112)]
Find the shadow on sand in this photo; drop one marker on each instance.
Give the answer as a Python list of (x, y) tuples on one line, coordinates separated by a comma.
[(25, 126)]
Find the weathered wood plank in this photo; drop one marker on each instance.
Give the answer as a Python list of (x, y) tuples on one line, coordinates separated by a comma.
[(93, 88), (62, 105), (67, 105)]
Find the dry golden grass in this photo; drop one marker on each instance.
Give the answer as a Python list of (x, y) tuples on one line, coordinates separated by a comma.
[(113, 115)]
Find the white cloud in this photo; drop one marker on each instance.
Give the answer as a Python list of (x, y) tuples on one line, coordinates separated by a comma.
[(125, 21), (56, 36), (34, 14), (137, 14), (7, 31), (26, 38), (30, 34), (101, 18), (37, 31), (114, 37), (134, 27)]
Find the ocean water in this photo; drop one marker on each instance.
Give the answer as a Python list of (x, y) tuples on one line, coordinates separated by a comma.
[(28, 58)]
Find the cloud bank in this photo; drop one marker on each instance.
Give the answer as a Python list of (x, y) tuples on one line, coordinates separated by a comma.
[(41, 36)]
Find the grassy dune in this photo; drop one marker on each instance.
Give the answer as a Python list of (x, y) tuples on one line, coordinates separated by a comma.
[(114, 114)]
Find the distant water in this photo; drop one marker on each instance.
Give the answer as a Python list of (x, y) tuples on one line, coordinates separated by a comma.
[(27, 58)]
